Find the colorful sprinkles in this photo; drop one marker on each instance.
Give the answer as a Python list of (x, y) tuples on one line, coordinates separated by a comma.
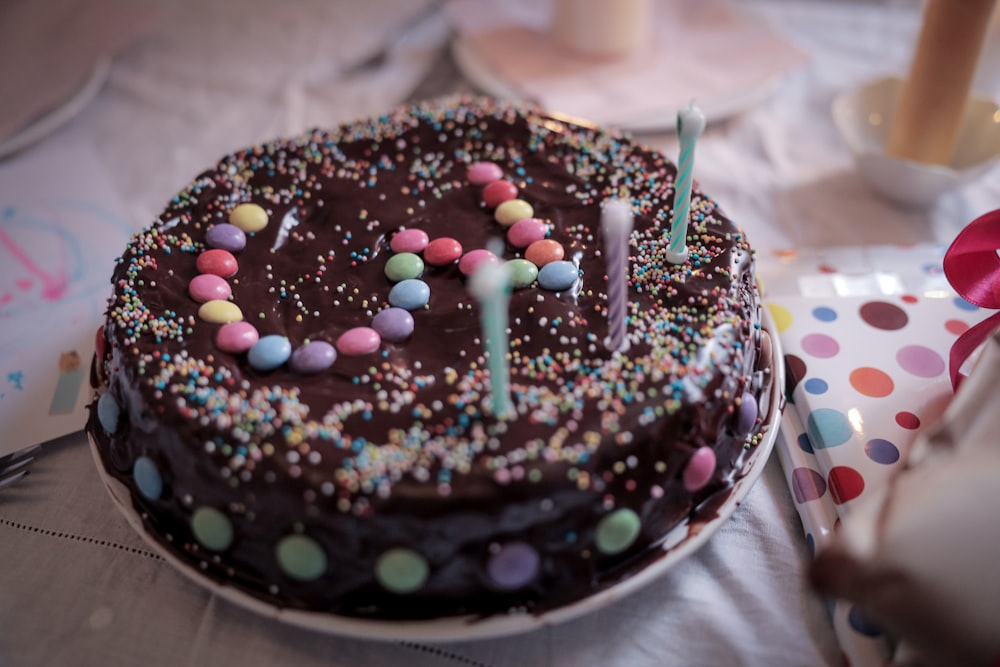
[(687, 324)]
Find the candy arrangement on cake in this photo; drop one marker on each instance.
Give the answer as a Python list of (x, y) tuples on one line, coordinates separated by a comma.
[(437, 363)]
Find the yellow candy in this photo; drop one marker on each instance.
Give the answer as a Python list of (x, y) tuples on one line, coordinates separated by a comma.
[(249, 217), (512, 211), (218, 311)]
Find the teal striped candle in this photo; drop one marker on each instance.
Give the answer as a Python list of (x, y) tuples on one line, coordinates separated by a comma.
[(690, 125), (491, 286)]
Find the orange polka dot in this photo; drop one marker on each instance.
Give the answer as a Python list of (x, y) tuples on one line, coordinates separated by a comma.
[(957, 327), (871, 382)]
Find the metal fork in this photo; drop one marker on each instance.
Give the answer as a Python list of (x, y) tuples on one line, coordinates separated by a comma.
[(14, 466)]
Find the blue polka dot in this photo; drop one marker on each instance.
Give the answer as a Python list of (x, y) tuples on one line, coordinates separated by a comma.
[(862, 624), (147, 478), (962, 304), (881, 451), (824, 314), (108, 412), (811, 543), (816, 386), (828, 428), (805, 444)]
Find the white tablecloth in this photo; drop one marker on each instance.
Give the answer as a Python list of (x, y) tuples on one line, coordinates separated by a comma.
[(79, 587)]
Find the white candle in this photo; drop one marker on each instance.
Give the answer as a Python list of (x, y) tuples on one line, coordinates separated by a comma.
[(616, 225)]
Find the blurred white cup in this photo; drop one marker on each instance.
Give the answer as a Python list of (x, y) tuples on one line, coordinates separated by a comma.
[(602, 28)]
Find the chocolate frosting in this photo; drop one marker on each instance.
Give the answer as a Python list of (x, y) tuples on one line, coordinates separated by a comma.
[(399, 450)]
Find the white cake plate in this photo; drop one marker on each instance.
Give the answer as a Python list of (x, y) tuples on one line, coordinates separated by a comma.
[(682, 542)]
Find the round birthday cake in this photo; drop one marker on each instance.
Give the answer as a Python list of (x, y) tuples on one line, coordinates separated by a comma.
[(390, 371)]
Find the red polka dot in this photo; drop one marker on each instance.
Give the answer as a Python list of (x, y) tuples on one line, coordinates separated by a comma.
[(957, 327), (871, 382), (908, 420), (845, 484), (883, 315), (908, 298), (795, 371), (826, 268)]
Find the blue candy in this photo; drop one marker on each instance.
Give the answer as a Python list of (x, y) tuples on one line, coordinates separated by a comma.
[(410, 294), (269, 352), (108, 412), (557, 276), (147, 478)]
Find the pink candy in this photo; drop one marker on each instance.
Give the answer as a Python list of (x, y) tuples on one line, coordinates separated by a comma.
[(700, 468), (236, 337), (498, 192), (473, 259), (409, 240), (359, 340), (525, 232), (209, 287), (218, 262), (482, 173)]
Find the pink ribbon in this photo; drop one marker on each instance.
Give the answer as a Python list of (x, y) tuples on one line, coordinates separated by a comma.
[(972, 266)]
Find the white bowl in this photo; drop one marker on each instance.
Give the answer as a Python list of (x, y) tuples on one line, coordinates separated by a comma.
[(863, 116)]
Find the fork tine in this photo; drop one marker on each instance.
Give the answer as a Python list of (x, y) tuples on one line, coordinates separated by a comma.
[(8, 480), (9, 459)]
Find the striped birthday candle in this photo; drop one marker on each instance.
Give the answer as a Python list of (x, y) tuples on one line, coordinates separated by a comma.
[(616, 224), (690, 125)]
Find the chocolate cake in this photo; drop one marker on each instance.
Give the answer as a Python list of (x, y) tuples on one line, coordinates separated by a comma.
[(294, 386)]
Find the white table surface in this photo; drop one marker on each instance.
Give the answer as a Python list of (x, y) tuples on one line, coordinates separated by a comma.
[(79, 587)]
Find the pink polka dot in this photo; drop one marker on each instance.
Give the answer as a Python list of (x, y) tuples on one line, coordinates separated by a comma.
[(920, 361), (820, 345), (846, 484)]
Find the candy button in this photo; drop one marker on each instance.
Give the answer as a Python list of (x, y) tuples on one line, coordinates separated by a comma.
[(404, 265), (522, 272), (442, 251), (393, 324), (514, 565), (498, 192), (617, 531), (557, 276), (473, 259), (409, 240), (212, 529), (525, 232), (542, 252), (147, 478), (401, 570), (359, 340), (313, 357), (410, 294), (481, 173), (226, 237), (269, 352), (699, 469), (249, 217), (748, 414), (108, 412), (220, 312), (236, 337), (300, 557), (217, 262), (513, 210), (209, 287)]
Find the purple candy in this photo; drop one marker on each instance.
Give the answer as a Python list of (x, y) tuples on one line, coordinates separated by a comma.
[(748, 415), (393, 324), (313, 357), (513, 566), (226, 237)]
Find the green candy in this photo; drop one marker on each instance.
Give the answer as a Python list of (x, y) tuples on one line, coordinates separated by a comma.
[(212, 528), (401, 570), (403, 266), (522, 272), (300, 557), (617, 531)]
